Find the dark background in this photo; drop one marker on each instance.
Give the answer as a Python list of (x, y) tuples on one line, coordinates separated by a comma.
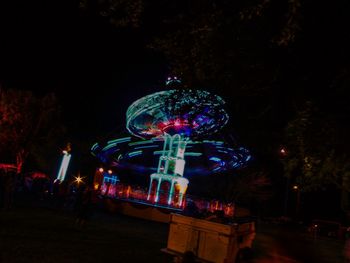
[(97, 70)]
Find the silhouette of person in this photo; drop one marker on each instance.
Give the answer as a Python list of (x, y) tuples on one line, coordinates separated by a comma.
[(84, 207)]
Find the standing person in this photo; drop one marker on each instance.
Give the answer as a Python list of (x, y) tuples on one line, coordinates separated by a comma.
[(83, 207)]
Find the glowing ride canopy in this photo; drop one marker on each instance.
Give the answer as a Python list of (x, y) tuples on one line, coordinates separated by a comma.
[(193, 113)]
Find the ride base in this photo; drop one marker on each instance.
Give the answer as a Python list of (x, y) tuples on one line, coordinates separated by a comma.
[(139, 209), (209, 241)]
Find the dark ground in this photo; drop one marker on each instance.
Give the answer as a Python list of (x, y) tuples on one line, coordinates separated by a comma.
[(41, 234)]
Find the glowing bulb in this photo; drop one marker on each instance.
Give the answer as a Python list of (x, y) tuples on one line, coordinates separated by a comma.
[(78, 179), (100, 170), (110, 171), (283, 151)]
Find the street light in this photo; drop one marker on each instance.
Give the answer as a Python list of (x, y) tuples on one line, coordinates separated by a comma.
[(283, 154), (296, 188), (283, 151), (78, 179)]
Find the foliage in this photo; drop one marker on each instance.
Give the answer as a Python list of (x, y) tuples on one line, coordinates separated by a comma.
[(249, 186), (120, 13), (315, 157), (272, 58), (29, 127), (211, 41), (245, 186)]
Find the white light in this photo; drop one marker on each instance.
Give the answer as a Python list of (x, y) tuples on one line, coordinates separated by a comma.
[(64, 166), (180, 167)]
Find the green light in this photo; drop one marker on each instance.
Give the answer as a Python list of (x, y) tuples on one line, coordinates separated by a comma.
[(154, 114), (132, 154), (109, 146), (193, 154), (140, 142), (94, 146), (120, 140)]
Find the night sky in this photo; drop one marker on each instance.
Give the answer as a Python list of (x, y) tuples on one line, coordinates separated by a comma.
[(96, 69)]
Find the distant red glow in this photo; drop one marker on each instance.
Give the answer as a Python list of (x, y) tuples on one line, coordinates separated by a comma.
[(37, 175)]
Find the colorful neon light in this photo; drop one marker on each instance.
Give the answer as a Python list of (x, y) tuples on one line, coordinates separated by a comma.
[(119, 155), (64, 166), (172, 117), (188, 112)]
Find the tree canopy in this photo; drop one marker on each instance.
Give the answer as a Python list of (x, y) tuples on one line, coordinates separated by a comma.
[(29, 128), (283, 65)]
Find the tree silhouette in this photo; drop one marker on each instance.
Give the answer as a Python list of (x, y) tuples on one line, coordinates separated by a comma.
[(29, 126)]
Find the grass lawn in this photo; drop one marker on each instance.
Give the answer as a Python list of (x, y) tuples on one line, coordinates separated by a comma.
[(42, 235)]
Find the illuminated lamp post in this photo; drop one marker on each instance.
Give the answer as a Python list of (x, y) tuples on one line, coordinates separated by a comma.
[(296, 188), (283, 153), (78, 180), (61, 175)]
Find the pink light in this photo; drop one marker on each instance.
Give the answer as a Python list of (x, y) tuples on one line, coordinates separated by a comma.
[(177, 123), (283, 151), (163, 124)]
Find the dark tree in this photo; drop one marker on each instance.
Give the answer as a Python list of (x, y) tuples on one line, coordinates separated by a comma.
[(30, 127)]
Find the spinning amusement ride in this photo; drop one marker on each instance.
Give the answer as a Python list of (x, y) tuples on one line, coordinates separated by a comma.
[(172, 126)]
